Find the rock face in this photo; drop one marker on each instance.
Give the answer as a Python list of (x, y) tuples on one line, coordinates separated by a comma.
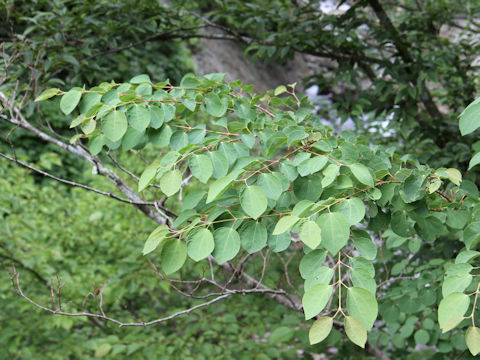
[(226, 56)]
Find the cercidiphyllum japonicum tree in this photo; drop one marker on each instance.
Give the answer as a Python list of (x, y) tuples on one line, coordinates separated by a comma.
[(259, 169)]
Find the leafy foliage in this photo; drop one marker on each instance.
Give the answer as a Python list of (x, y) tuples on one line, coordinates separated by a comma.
[(392, 187), (380, 239)]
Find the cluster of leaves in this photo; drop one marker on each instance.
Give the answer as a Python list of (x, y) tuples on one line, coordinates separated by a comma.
[(264, 168), (71, 42), (412, 62)]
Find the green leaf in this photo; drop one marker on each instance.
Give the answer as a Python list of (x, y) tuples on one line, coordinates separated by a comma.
[(315, 299), (253, 236), (280, 90), (353, 209), (200, 244), (132, 138), (400, 224), (155, 238), (89, 126), (472, 338), (310, 234), (139, 79), (362, 305), (362, 279), (173, 256), (227, 244), (77, 121), (335, 231), (281, 334), (452, 323), (253, 201), (102, 350), (160, 138), (156, 117), (421, 337), (138, 117), (201, 167), (218, 187), (308, 188), (70, 100), (214, 105), (320, 330), (475, 160), (311, 262), (362, 174), (47, 94), (286, 223), (271, 185), (366, 247), (454, 305), (329, 174), (434, 186), (96, 144), (413, 187), (465, 256), (168, 112), (220, 164), (189, 81), (322, 275), (313, 165), (115, 125), (456, 282), (148, 175), (470, 119), (278, 243), (170, 182), (457, 219), (355, 331), (454, 176)]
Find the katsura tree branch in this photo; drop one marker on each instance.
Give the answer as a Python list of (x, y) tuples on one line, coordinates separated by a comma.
[(18, 119), (73, 183), (15, 276)]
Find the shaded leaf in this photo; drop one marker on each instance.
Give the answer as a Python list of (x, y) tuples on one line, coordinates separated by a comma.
[(320, 330)]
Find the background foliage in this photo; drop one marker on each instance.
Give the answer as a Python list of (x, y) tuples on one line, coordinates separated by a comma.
[(409, 72)]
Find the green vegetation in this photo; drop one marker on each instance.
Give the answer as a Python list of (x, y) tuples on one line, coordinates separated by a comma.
[(189, 217)]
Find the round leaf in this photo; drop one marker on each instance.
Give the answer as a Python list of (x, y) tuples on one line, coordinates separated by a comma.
[(115, 125), (310, 234), (353, 209), (200, 244), (173, 256), (138, 117), (362, 305), (218, 188), (70, 100), (214, 105), (315, 299), (320, 330), (170, 182), (285, 224), (311, 262), (254, 201), (335, 231), (201, 167), (253, 236), (155, 238), (454, 305), (227, 244), (362, 174), (472, 338), (355, 331), (47, 94)]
